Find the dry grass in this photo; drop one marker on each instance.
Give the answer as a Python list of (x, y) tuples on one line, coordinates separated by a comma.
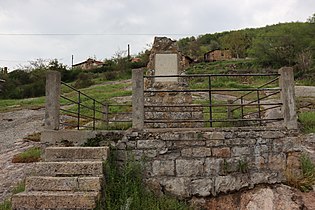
[(32, 137), (303, 178)]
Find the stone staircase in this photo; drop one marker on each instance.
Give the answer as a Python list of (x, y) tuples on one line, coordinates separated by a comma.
[(70, 178)]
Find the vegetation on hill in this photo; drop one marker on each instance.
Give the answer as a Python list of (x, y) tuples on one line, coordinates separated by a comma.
[(283, 44)]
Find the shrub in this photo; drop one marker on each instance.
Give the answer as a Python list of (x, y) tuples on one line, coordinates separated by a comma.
[(84, 80)]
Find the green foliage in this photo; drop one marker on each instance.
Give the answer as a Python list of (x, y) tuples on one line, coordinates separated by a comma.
[(125, 189), (28, 156), (305, 178), (6, 205), (238, 42), (243, 166), (307, 119), (84, 80), (29, 80), (279, 45)]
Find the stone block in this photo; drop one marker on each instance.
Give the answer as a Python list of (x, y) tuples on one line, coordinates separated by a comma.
[(85, 168), (215, 142), (260, 162), (202, 187), (150, 153), (163, 168), (261, 149), (190, 167), (221, 152), (150, 144), (213, 135), (42, 183), (272, 134), (55, 154), (277, 162), (196, 152), (230, 183), (54, 200), (240, 151), (180, 187), (213, 166), (191, 143), (76, 137)]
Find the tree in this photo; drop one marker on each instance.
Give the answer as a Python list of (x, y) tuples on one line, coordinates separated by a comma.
[(237, 42), (311, 19)]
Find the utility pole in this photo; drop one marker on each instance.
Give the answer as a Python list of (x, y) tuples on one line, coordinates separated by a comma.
[(128, 52), (72, 61)]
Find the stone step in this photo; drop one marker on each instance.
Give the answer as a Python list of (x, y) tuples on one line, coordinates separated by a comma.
[(54, 154), (76, 184), (66, 169), (54, 200)]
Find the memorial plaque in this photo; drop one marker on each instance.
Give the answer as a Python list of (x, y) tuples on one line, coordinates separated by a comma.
[(166, 64)]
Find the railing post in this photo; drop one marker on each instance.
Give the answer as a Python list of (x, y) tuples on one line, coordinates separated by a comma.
[(105, 114), (52, 104), (229, 110), (137, 99), (286, 83)]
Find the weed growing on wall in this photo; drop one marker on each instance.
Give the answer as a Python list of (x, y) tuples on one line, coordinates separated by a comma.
[(303, 179), (125, 189)]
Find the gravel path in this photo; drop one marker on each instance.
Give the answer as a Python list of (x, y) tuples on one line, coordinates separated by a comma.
[(13, 127)]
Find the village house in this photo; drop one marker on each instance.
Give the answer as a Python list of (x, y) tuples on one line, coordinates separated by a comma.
[(217, 55), (89, 64)]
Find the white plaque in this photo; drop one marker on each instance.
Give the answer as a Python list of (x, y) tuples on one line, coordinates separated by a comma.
[(166, 64)]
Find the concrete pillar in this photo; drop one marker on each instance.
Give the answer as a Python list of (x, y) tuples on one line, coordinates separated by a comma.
[(137, 99), (286, 83), (52, 105)]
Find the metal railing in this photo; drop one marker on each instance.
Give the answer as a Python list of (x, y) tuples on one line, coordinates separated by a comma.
[(247, 106), (89, 113)]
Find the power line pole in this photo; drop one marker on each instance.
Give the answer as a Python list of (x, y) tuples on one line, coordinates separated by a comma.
[(72, 61), (128, 52)]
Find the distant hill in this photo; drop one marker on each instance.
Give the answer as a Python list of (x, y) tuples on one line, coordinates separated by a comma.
[(283, 44)]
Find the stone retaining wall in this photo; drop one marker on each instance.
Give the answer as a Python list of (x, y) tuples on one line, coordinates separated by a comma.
[(206, 162)]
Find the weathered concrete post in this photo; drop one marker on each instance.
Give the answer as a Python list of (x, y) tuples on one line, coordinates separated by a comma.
[(52, 105), (286, 83), (137, 99)]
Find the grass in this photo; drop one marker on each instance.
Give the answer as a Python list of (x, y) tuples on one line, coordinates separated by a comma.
[(28, 156), (305, 178), (17, 104), (307, 120), (7, 205), (125, 189)]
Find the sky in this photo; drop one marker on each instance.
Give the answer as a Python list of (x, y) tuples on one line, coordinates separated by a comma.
[(58, 29)]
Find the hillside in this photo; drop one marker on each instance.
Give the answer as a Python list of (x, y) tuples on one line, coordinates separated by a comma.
[(283, 44)]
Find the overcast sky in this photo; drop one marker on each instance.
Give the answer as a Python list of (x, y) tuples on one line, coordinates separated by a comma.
[(99, 28)]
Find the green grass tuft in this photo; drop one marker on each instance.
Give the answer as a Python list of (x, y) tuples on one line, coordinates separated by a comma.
[(28, 156), (307, 120)]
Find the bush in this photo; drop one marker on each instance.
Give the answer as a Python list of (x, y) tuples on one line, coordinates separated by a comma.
[(84, 80)]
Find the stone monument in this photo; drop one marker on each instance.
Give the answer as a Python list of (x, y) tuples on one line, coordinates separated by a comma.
[(167, 60)]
